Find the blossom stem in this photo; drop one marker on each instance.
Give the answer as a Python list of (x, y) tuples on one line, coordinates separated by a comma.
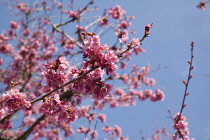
[(188, 80)]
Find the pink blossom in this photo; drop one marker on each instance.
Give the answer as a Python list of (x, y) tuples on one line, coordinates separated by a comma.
[(123, 65), (6, 48), (159, 95), (100, 54), (181, 126), (57, 73), (102, 117), (117, 12), (81, 130), (60, 5), (23, 7), (81, 28), (6, 125), (147, 28), (1, 61), (125, 78), (117, 130), (104, 21), (122, 138), (120, 33), (202, 5), (138, 50), (119, 91), (124, 24), (123, 39), (13, 25), (52, 106), (26, 32), (135, 41), (14, 100), (28, 121), (2, 112), (107, 129), (46, 21), (53, 134), (94, 134), (74, 14)]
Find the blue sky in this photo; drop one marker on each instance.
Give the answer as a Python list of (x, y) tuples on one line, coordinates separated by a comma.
[(176, 24)]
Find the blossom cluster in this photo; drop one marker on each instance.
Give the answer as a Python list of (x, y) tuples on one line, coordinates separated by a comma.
[(117, 12), (57, 73), (92, 84), (5, 48), (13, 100), (137, 77), (52, 106), (181, 126), (99, 54)]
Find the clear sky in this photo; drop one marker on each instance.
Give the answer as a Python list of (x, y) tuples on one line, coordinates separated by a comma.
[(176, 24)]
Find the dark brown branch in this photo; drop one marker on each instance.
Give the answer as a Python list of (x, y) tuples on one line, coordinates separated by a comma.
[(28, 132)]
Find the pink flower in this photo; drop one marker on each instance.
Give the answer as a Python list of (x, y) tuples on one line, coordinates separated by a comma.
[(135, 41), (100, 54), (107, 129), (52, 106), (13, 25), (124, 24), (123, 39), (23, 7), (123, 65), (6, 48), (147, 28), (181, 126), (60, 5), (74, 14), (1, 61), (158, 96), (46, 21), (102, 117), (81, 130), (117, 12), (202, 5), (6, 125), (117, 130), (56, 74), (119, 91), (81, 28), (14, 100), (94, 134), (104, 21)]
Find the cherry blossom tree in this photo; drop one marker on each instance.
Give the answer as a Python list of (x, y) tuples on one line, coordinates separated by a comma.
[(53, 59)]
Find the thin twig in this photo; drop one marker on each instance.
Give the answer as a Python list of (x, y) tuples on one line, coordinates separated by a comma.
[(94, 22), (188, 80), (55, 26)]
